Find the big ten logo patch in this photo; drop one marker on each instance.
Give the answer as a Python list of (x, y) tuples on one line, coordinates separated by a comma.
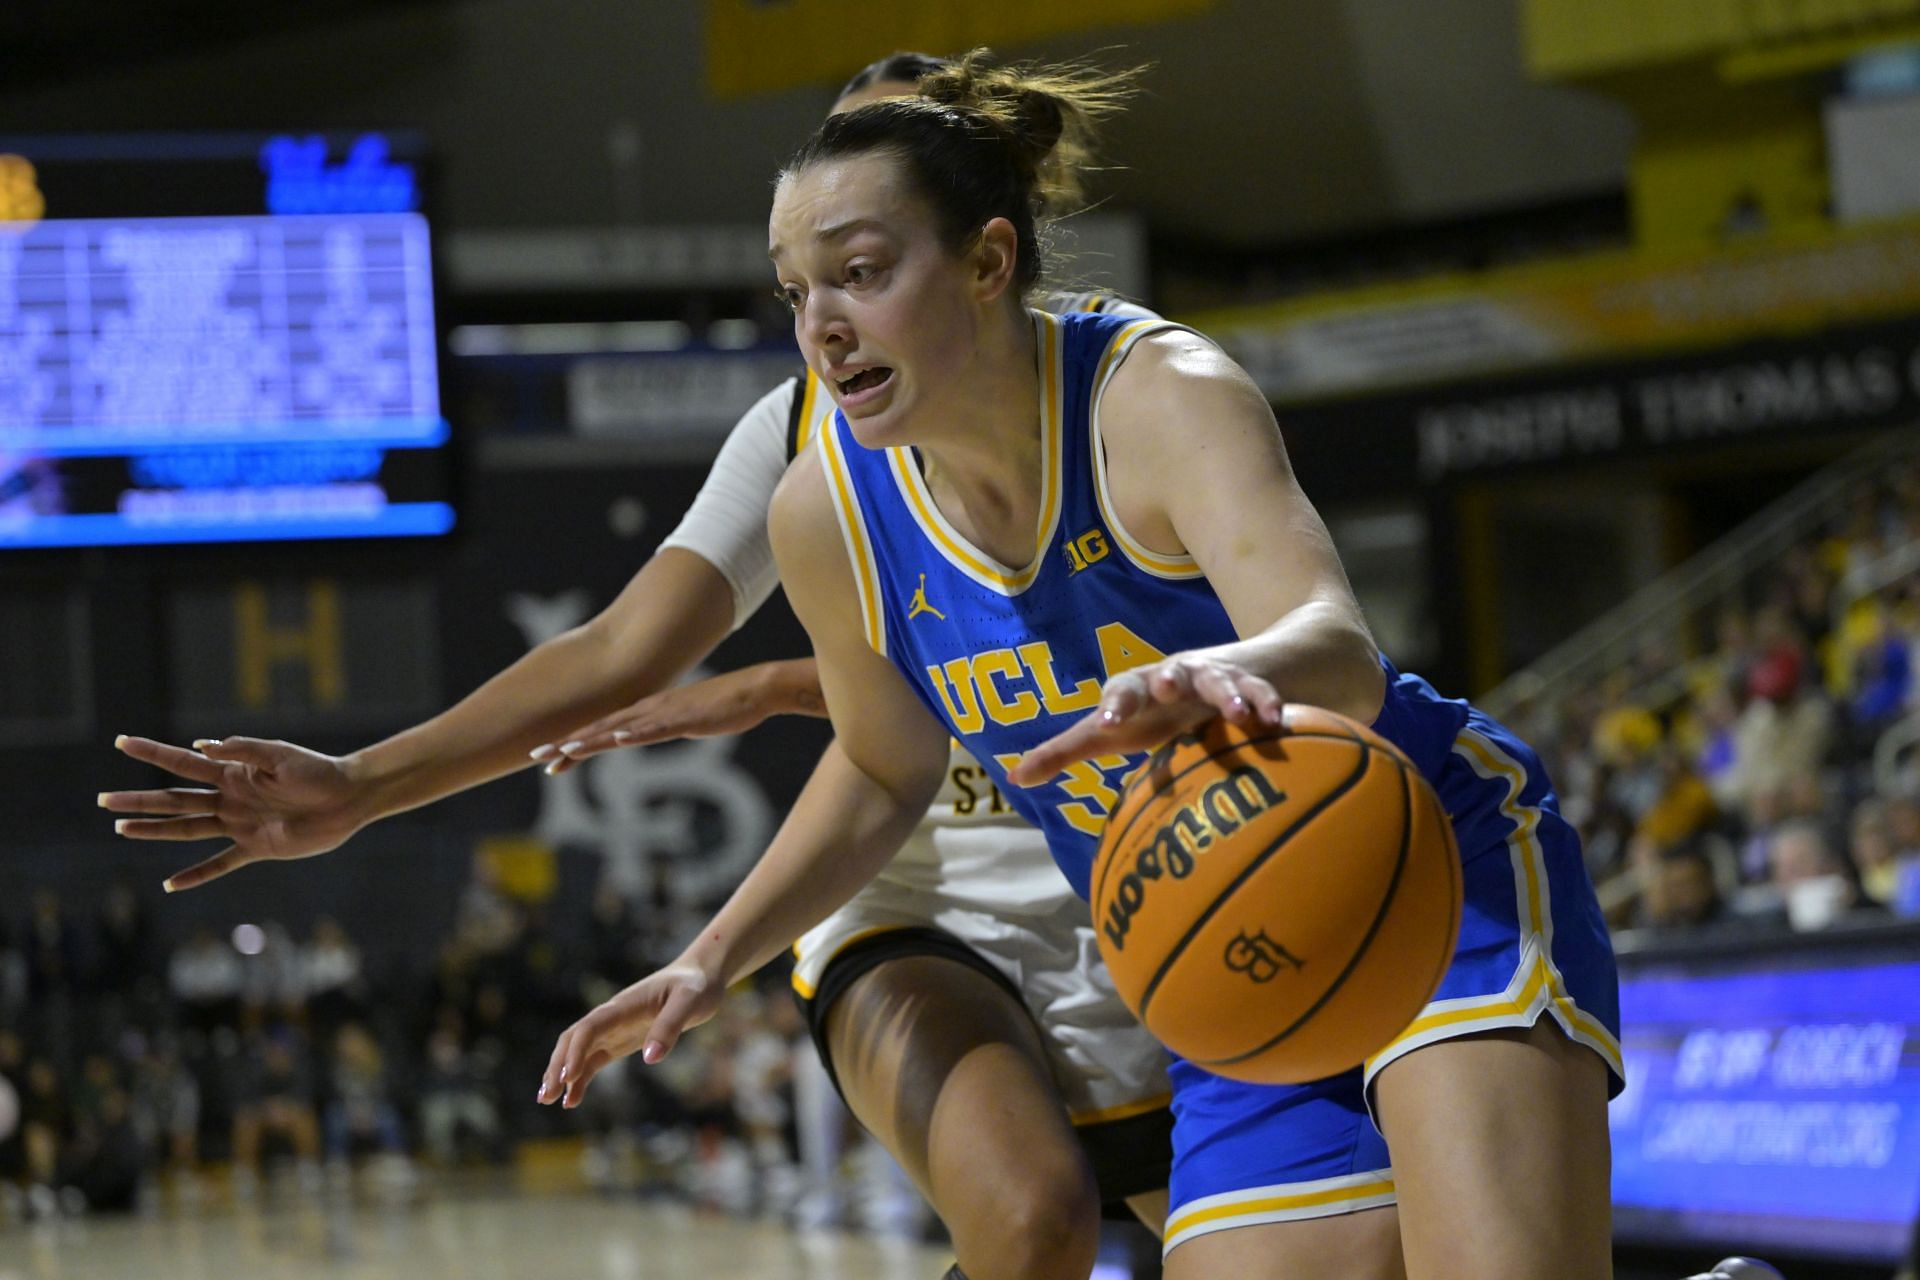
[(1259, 957), (21, 203), (680, 822), (1221, 809), (1088, 549)]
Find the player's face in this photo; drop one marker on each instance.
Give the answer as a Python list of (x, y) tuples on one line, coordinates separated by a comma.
[(883, 313)]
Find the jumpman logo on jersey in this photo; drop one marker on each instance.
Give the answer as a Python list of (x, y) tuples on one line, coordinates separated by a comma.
[(919, 604)]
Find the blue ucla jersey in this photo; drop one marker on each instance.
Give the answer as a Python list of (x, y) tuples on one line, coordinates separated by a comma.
[(1009, 656)]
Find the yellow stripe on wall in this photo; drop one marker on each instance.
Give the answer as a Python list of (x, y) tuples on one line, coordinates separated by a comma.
[(754, 46)]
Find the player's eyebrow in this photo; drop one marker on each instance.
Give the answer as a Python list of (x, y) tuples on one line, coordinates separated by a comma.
[(838, 231)]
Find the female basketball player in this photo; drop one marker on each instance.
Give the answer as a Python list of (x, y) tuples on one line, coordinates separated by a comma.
[(1069, 538), (914, 990)]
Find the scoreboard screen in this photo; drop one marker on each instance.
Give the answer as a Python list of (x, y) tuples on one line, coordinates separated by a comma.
[(216, 339), (1773, 1096)]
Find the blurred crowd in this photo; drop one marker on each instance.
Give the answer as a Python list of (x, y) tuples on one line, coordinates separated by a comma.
[(259, 1062), (1757, 770)]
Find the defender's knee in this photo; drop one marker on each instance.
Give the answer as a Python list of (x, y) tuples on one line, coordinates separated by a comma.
[(1040, 1222)]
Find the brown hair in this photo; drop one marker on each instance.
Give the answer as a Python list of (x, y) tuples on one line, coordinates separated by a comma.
[(983, 141)]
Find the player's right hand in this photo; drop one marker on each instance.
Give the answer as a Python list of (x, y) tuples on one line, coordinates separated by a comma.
[(648, 1017), (269, 800)]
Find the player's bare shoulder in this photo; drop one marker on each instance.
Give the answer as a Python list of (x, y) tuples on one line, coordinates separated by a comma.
[(1172, 389)]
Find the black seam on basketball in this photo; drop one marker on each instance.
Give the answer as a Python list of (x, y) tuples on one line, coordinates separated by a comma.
[(1259, 860), (1093, 890), (1366, 942)]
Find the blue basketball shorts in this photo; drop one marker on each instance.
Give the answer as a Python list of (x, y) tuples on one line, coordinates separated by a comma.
[(1532, 942)]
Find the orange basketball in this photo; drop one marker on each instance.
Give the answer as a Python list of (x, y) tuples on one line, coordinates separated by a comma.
[(1277, 904)]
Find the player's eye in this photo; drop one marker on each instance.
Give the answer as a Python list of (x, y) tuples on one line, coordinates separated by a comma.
[(789, 296), (860, 272)]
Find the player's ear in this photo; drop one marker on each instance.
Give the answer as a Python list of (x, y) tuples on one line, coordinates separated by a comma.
[(995, 259)]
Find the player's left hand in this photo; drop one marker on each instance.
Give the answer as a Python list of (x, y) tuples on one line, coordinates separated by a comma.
[(648, 1017), (1142, 708)]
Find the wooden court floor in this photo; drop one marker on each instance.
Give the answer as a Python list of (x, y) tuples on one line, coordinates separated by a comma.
[(490, 1236)]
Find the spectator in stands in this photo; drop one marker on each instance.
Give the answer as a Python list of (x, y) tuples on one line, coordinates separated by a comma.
[(273, 981), (275, 1101), (46, 1127), (331, 973), (1681, 892), (54, 951), (206, 979), (1713, 721), (1903, 826), (124, 935), (1786, 728), (101, 1164), (1870, 842), (1815, 881), (1684, 806), (1882, 675), (458, 1118), (361, 1114), (167, 1105)]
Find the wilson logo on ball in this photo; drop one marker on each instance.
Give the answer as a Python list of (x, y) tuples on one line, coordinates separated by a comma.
[(1260, 957), (1222, 809)]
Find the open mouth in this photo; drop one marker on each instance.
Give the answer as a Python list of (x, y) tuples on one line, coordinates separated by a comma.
[(865, 380)]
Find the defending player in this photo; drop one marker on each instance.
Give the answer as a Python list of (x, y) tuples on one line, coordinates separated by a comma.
[(965, 1088), (1078, 498)]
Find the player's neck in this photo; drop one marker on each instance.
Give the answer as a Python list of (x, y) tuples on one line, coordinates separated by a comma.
[(984, 468)]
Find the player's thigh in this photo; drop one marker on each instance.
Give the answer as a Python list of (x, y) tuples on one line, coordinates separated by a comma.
[(1501, 1156), (945, 1067), (1364, 1245)]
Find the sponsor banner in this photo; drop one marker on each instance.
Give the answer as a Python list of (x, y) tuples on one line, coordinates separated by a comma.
[(1838, 381), (1570, 311)]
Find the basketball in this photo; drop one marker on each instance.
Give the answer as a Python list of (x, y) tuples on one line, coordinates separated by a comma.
[(1276, 904)]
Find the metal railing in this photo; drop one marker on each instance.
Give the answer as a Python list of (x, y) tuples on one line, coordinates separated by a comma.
[(1707, 579)]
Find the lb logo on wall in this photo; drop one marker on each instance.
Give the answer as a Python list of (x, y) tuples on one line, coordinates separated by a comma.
[(682, 822), (21, 204)]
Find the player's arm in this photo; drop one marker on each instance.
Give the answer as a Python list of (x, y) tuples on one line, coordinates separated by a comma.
[(733, 702), (1196, 465), (275, 800), (869, 791)]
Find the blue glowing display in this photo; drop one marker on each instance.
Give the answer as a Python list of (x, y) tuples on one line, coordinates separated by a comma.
[(299, 180), (194, 379), (1771, 1108)]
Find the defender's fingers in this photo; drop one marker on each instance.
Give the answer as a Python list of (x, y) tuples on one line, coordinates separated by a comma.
[(577, 1088), (197, 827), (669, 1024), (549, 1090), (177, 800), (255, 752), (188, 764), (228, 859)]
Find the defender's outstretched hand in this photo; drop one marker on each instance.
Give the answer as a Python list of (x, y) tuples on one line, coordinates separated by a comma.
[(1142, 708), (270, 800), (711, 708), (649, 1016)]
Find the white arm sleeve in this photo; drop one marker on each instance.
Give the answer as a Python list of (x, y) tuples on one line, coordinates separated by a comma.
[(727, 524)]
